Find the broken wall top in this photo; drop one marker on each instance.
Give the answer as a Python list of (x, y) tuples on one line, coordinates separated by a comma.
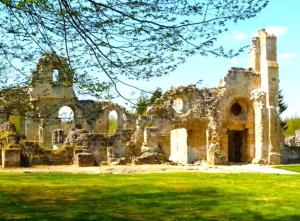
[(183, 103), (43, 84)]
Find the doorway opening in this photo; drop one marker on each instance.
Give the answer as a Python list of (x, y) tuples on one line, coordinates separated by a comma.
[(237, 145)]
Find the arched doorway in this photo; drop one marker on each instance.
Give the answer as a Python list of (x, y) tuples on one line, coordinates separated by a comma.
[(66, 116), (239, 131)]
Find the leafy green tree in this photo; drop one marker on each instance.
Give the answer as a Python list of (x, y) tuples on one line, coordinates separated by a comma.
[(144, 102), (11, 105), (282, 107), (141, 105), (130, 39), (156, 94), (293, 124)]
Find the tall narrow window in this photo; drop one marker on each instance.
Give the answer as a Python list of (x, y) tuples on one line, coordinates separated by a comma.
[(55, 76), (112, 122)]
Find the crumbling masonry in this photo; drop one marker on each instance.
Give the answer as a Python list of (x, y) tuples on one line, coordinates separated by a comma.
[(238, 121)]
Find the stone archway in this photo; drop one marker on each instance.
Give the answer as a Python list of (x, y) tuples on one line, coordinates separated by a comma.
[(237, 134)]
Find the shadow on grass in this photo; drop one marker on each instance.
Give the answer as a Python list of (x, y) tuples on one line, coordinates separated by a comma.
[(70, 197), (93, 204)]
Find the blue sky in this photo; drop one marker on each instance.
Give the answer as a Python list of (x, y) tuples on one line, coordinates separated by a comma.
[(281, 18)]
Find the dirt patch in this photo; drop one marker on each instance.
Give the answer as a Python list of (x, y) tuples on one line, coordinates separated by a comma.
[(136, 169)]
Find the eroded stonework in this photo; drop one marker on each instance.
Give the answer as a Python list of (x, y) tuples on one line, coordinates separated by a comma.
[(237, 122)]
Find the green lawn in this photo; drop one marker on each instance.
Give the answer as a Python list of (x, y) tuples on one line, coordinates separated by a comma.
[(291, 167), (171, 196)]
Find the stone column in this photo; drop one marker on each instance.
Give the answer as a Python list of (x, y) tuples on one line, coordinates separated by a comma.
[(41, 133), (274, 136), (214, 154), (261, 126)]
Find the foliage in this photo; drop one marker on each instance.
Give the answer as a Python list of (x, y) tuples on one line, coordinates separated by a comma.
[(144, 102), (282, 107), (155, 95), (14, 101), (293, 124), (141, 105), (116, 39), (112, 125), (167, 196)]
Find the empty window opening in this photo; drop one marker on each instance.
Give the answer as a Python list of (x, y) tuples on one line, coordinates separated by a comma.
[(112, 122), (66, 114), (178, 105), (55, 76)]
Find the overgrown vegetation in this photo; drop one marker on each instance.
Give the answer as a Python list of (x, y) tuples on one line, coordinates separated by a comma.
[(282, 107), (144, 102), (177, 196), (112, 125), (293, 124)]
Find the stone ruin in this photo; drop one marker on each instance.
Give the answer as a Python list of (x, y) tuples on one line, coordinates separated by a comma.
[(235, 122), (291, 148)]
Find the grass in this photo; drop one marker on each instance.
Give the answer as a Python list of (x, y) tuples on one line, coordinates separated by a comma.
[(291, 167), (170, 196), (112, 125)]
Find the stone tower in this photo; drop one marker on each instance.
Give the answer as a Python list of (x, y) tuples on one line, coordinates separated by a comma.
[(48, 94), (263, 60), (43, 86)]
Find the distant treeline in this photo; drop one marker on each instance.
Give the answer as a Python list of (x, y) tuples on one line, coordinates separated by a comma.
[(293, 124)]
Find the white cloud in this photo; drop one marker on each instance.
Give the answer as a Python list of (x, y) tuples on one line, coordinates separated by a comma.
[(277, 30), (287, 56), (240, 36)]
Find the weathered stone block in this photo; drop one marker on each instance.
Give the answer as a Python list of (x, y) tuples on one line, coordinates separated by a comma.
[(84, 160), (150, 137), (11, 157)]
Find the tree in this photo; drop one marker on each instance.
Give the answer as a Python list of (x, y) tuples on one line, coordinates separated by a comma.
[(11, 105), (293, 124), (282, 107), (144, 102), (141, 106), (118, 40), (155, 95)]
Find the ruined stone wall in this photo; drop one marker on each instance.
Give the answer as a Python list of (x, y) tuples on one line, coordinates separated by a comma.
[(103, 147), (245, 103), (290, 154), (183, 109), (65, 157), (237, 87), (186, 124), (267, 121), (48, 95)]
